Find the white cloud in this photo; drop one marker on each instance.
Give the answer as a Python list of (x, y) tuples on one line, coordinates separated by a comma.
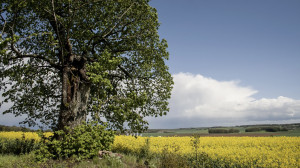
[(201, 101)]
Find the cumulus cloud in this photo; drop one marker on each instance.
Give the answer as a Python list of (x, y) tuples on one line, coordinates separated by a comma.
[(202, 101)]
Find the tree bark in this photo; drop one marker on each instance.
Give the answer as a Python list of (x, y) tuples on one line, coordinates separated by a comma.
[(75, 95)]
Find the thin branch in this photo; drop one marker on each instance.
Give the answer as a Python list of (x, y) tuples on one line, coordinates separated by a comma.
[(56, 26), (1, 10), (20, 55), (118, 22), (3, 27), (3, 24), (126, 72), (116, 76), (103, 38)]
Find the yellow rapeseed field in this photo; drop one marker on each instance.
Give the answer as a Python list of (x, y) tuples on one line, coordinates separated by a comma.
[(19, 135), (233, 151)]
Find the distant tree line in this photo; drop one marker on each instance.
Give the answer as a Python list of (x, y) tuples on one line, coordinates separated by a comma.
[(14, 128), (222, 130), (266, 128)]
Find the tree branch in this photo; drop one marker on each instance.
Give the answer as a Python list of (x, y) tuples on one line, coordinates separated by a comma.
[(126, 72), (20, 55), (118, 22), (3, 24), (55, 27), (100, 38)]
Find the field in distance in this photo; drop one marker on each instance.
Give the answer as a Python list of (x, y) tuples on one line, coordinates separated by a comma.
[(244, 130)]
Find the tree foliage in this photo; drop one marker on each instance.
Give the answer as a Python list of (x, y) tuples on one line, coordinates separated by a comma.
[(63, 60)]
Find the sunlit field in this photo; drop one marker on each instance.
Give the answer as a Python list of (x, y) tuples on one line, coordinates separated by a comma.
[(230, 151), (226, 151), (20, 135)]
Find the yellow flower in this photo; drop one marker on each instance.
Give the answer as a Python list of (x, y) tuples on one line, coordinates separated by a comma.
[(242, 151), (19, 135), (231, 151)]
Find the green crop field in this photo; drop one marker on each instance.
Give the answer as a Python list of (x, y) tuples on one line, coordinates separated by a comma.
[(290, 130)]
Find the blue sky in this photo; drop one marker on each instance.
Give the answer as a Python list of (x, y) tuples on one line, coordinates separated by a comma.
[(234, 62), (253, 45), (257, 42)]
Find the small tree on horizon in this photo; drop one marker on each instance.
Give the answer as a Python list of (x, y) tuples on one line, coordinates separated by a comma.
[(64, 60)]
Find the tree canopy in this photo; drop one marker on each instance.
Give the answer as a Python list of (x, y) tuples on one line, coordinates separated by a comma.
[(62, 61)]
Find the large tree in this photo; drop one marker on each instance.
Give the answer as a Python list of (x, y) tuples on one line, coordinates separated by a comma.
[(62, 61)]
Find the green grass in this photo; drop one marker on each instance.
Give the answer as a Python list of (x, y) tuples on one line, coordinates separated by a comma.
[(28, 161), (17, 161), (295, 132)]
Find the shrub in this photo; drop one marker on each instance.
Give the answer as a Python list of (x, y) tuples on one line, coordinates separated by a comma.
[(83, 142)]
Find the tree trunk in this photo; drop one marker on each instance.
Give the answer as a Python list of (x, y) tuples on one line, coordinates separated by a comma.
[(75, 95)]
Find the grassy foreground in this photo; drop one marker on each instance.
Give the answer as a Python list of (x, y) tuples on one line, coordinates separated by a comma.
[(28, 161)]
